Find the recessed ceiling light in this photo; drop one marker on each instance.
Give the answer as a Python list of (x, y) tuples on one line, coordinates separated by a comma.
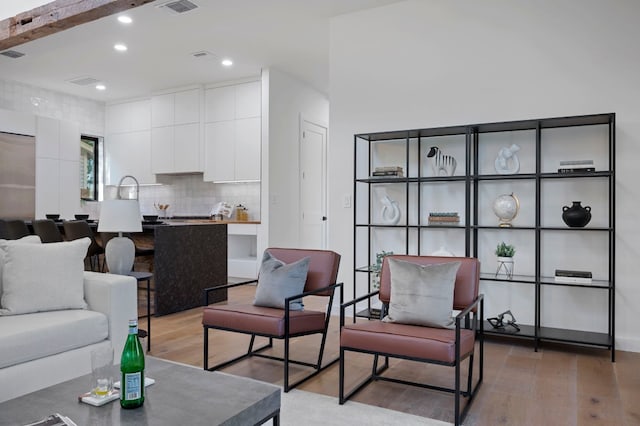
[(227, 62), (101, 87), (120, 47), (125, 19)]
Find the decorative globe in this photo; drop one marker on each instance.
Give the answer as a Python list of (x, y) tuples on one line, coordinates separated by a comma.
[(506, 207)]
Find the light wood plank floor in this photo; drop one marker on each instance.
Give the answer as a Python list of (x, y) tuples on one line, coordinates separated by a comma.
[(558, 385)]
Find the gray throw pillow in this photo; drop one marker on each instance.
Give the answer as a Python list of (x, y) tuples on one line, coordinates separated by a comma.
[(277, 281), (422, 294)]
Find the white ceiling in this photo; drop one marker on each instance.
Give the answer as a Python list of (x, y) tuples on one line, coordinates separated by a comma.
[(291, 35)]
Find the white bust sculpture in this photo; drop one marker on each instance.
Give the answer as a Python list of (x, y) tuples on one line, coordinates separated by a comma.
[(507, 162)]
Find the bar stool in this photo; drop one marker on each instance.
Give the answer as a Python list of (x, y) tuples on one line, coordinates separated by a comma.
[(16, 229), (141, 277), (76, 229), (47, 230)]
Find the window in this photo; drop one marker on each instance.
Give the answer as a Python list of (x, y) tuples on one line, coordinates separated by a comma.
[(89, 168)]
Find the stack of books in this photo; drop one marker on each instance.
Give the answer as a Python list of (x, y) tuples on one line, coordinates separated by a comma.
[(576, 166), (389, 171), (444, 218), (573, 277)]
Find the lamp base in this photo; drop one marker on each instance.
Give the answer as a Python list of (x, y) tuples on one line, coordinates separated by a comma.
[(119, 254)]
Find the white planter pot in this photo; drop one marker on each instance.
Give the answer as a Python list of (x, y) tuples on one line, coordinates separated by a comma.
[(505, 267)]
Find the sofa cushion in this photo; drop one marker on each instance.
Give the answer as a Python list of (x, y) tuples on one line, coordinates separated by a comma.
[(33, 336), (43, 277), (277, 281), (29, 239), (422, 294)]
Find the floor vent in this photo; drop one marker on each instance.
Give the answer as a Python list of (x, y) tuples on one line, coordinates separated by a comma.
[(83, 81), (203, 54), (179, 6), (12, 54)]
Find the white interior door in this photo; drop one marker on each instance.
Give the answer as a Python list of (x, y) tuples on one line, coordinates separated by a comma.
[(313, 198)]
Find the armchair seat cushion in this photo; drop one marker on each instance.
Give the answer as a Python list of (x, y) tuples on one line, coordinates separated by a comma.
[(437, 344), (261, 320)]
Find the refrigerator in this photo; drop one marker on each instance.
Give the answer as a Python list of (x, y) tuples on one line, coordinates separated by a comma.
[(17, 176)]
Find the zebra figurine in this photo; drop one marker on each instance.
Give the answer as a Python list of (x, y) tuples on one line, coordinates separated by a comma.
[(441, 163)]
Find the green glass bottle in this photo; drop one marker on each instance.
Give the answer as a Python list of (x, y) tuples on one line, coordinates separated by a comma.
[(132, 369)]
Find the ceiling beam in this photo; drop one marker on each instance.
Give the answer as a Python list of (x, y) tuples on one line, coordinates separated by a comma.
[(59, 15)]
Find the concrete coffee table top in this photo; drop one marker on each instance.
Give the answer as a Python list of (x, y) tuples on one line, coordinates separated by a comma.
[(181, 395)]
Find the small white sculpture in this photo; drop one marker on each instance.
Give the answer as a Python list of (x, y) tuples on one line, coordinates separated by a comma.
[(390, 210), (443, 251), (441, 163), (507, 162)]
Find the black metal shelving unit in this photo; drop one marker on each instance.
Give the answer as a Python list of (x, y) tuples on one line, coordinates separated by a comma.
[(413, 141)]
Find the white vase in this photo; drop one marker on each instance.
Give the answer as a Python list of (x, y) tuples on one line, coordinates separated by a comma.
[(505, 267)]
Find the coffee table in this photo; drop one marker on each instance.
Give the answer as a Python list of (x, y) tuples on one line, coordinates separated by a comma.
[(181, 395)]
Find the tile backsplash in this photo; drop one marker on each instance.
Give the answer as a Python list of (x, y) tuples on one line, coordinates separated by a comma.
[(188, 195)]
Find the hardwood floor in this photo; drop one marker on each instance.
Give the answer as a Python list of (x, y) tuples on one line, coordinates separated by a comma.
[(558, 385)]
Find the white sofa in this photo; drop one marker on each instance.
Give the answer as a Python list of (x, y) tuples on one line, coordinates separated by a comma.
[(44, 348)]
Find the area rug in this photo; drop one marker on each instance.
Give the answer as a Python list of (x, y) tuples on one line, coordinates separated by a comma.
[(309, 409)]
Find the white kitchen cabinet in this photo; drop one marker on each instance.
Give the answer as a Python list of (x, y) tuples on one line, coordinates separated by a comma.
[(242, 258), (186, 148), (220, 104), (162, 110), (248, 100), (247, 149), (130, 116), (128, 154), (69, 188), (175, 136), (219, 151), (69, 148), (47, 187), (232, 139), (232, 150), (187, 106), (57, 168), (162, 149), (48, 138)]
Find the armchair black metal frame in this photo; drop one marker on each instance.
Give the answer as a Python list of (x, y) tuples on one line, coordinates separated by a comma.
[(470, 318), (318, 367)]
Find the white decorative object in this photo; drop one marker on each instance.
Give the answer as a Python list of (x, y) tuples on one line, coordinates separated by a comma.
[(507, 162), (443, 251), (443, 165), (390, 212), (506, 207)]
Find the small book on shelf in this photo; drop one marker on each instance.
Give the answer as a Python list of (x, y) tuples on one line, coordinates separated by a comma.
[(573, 274), (573, 280), (576, 169)]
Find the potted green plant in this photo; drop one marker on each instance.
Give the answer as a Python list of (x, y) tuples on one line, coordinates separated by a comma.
[(376, 268), (505, 253)]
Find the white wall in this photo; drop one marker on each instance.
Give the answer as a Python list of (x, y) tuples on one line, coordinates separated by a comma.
[(427, 63), (288, 98), (87, 113)]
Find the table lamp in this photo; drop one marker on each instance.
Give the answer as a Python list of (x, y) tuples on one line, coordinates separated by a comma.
[(120, 216)]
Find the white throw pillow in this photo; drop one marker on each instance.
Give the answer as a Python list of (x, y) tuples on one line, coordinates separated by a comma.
[(43, 277), (422, 294), (29, 239)]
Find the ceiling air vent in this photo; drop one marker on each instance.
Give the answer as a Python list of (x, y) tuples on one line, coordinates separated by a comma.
[(12, 54), (179, 6), (83, 81), (203, 54)]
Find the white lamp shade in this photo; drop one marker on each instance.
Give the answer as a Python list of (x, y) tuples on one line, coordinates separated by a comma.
[(120, 216)]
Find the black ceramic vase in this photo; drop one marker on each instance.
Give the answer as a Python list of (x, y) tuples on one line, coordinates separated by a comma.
[(576, 216)]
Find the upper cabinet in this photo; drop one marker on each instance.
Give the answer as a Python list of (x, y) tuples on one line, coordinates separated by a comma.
[(233, 133), (57, 167), (128, 142), (175, 133)]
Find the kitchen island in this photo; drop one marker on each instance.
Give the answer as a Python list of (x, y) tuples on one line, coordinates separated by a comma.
[(188, 257)]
